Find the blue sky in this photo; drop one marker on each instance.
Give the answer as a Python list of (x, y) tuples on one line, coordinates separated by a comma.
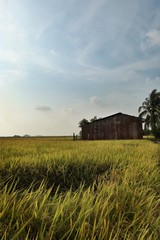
[(65, 60)]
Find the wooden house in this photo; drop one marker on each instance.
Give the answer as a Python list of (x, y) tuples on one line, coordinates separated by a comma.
[(117, 126)]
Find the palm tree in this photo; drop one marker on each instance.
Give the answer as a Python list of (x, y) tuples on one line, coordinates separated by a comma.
[(150, 109)]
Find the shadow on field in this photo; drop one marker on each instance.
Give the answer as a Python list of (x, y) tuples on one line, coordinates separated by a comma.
[(61, 177)]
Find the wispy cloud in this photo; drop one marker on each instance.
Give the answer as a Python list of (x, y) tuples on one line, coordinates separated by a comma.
[(43, 108), (91, 10), (70, 111), (152, 81)]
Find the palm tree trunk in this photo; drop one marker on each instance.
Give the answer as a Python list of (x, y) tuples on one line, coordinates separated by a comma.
[(153, 124)]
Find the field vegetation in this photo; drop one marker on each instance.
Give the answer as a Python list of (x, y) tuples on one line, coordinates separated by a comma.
[(55, 189)]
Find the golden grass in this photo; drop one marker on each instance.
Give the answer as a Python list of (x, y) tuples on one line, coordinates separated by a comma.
[(60, 189)]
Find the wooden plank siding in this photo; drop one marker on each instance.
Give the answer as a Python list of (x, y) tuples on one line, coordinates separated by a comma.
[(117, 126)]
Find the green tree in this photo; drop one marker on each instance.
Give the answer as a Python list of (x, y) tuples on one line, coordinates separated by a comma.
[(150, 110), (83, 122), (93, 119)]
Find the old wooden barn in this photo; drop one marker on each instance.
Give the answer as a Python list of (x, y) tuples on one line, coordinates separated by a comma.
[(117, 126)]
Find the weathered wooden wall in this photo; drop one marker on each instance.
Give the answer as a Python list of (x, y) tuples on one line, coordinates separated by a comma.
[(117, 126)]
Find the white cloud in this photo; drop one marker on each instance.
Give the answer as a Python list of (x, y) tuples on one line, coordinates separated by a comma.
[(10, 56), (13, 35), (53, 52), (97, 101), (12, 75), (150, 39), (153, 36)]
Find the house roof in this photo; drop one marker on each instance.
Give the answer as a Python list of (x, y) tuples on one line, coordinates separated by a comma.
[(116, 114)]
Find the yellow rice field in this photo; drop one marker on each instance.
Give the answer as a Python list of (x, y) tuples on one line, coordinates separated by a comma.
[(62, 189)]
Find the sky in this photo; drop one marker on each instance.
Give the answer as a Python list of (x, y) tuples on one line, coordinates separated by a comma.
[(65, 60)]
